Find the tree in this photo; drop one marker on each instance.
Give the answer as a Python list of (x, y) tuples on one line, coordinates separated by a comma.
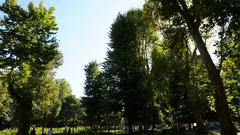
[(65, 89), (128, 64), (93, 91), (201, 91), (170, 75), (28, 49), (46, 101), (179, 79), (193, 15), (71, 112), (160, 76)]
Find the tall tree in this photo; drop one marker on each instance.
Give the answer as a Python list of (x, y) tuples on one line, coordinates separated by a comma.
[(93, 91), (28, 48), (201, 90), (170, 81), (127, 62), (160, 75), (193, 14)]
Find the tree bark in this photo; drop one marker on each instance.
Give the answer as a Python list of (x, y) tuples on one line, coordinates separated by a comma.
[(201, 129), (23, 109), (140, 128), (108, 124), (43, 122), (130, 131), (24, 123)]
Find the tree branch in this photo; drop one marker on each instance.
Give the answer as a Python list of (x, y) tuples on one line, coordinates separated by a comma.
[(184, 11), (194, 56), (219, 67)]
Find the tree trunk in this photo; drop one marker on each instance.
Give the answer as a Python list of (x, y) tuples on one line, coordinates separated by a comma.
[(23, 109), (222, 107), (24, 114), (199, 120), (115, 128), (24, 118), (43, 122), (140, 128), (108, 124), (130, 131)]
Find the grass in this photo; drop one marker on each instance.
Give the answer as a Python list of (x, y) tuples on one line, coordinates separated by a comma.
[(87, 131), (115, 131), (214, 133), (39, 131), (8, 132)]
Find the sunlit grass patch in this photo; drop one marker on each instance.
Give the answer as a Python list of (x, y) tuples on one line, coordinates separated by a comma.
[(116, 131), (39, 130)]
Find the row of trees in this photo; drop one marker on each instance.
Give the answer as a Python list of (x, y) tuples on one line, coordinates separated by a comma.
[(158, 69), (29, 92)]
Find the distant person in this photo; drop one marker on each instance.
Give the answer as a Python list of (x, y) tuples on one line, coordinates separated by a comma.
[(50, 132), (69, 131), (65, 131), (33, 132)]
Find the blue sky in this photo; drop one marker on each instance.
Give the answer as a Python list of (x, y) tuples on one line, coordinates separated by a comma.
[(83, 33)]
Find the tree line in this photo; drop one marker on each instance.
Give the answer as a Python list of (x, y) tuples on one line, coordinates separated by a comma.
[(158, 69)]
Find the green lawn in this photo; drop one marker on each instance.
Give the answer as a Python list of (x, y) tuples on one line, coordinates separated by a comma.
[(86, 131), (39, 131)]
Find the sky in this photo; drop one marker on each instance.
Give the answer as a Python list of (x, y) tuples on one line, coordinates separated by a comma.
[(84, 27)]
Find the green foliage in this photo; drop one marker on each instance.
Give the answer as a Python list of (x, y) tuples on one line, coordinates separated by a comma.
[(196, 17), (46, 99), (202, 90), (231, 72), (128, 63), (27, 35), (170, 73), (65, 89), (6, 114), (29, 53), (93, 91), (71, 113), (179, 79), (92, 73), (160, 74)]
